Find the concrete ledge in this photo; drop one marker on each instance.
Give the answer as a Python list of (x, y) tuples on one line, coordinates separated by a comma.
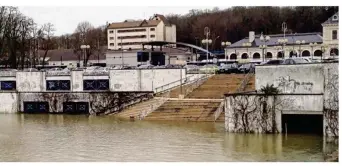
[(303, 112)]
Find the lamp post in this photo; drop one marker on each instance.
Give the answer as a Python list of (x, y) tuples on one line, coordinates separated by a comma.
[(225, 44), (283, 42), (323, 49), (84, 47), (300, 44), (312, 45), (207, 42), (264, 39)]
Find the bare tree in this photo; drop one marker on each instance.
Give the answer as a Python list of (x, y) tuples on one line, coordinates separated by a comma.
[(45, 35)]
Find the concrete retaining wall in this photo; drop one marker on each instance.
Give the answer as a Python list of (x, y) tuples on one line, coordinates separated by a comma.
[(9, 102)]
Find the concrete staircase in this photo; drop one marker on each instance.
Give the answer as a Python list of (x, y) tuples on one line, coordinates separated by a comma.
[(188, 110), (142, 109), (216, 86)]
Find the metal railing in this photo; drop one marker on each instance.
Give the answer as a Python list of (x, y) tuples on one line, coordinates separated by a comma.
[(245, 80), (219, 110), (171, 85)]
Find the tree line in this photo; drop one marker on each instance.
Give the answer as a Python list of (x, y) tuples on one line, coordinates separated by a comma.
[(233, 24), (21, 37), (22, 40)]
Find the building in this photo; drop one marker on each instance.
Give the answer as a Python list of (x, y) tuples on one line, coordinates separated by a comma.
[(130, 34), (314, 45), (141, 57), (69, 58), (125, 40)]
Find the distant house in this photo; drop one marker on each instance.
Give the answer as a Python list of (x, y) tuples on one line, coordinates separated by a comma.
[(69, 58)]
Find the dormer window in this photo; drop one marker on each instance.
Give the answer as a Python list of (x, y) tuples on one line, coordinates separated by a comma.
[(335, 18)]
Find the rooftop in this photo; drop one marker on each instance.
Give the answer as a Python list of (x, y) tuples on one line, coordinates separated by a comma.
[(332, 20), (153, 21)]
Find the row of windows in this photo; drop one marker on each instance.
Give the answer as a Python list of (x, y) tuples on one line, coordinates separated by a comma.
[(68, 107), (132, 30), (132, 37), (64, 85), (130, 43)]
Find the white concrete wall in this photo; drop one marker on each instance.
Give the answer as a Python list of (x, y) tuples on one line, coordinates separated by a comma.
[(30, 81), (307, 78), (9, 102), (144, 80), (327, 34), (114, 58), (58, 77), (119, 80), (77, 81), (160, 32)]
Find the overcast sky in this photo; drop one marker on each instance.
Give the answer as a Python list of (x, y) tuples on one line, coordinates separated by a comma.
[(65, 19)]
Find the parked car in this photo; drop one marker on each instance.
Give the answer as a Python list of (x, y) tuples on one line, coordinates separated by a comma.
[(210, 68), (245, 68), (159, 67), (296, 61), (273, 62), (228, 68)]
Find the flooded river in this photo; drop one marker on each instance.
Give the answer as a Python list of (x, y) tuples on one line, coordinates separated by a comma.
[(81, 138)]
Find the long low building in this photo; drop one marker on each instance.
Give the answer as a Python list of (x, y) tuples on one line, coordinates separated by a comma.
[(262, 47)]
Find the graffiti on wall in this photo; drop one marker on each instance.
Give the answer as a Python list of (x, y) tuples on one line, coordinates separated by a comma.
[(288, 85)]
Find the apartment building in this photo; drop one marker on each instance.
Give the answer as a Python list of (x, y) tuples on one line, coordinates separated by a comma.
[(130, 34)]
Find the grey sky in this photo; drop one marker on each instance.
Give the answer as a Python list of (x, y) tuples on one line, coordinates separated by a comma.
[(66, 19)]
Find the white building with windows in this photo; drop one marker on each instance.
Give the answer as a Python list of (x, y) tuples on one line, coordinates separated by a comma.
[(130, 34), (314, 45)]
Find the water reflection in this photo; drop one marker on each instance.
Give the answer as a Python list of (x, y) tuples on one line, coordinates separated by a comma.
[(27, 137)]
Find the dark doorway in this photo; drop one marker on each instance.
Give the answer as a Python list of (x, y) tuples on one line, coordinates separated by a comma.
[(302, 124)]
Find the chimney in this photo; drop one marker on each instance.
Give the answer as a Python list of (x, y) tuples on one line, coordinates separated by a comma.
[(251, 36)]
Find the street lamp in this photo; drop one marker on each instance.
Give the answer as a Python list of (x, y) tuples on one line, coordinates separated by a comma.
[(264, 39), (323, 49), (312, 45), (226, 44), (283, 42), (300, 44), (207, 42), (84, 48)]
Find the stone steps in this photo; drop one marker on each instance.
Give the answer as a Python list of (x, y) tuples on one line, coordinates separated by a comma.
[(137, 109)]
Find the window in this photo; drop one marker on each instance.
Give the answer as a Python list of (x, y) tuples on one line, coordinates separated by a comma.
[(111, 44), (335, 18), (334, 34), (152, 29), (132, 30), (111, 31), (153, 36), (36, 107), (95, 84), (111, 38), (62, 63), (76, 107), (56, 85), (132, 37), (130, 43), (8, 85), (70, 63)]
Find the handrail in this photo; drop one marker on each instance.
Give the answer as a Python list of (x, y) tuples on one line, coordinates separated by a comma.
[(245, 81), (219, 110), (167, 85)]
